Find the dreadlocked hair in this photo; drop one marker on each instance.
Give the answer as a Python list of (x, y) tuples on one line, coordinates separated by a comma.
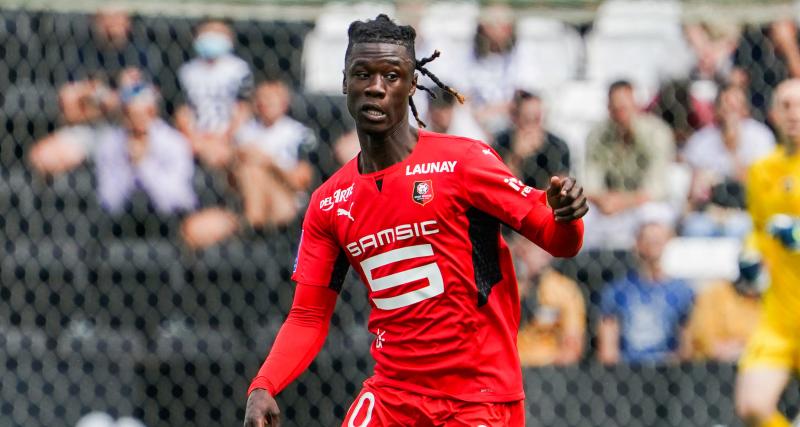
[(384, 30)]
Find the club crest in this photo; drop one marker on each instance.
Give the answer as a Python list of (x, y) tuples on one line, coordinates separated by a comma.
[(423, 192)]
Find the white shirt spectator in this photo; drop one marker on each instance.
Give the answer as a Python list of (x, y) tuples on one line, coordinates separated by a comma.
[(283, 141), (491, 78), (212, 89), (706, 150), (164, 173)]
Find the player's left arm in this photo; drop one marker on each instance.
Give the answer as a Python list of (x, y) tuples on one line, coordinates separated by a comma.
[(556, 225), (551, 219)]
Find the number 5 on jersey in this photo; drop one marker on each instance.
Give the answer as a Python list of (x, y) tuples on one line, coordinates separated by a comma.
[(430, 272)]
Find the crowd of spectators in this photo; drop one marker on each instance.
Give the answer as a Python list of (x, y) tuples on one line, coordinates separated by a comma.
[(232, 129)]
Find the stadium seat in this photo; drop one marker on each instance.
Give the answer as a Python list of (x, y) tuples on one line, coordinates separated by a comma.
[(701, 259), (234, 283), (641, 41), (98, 368), (449, 26), (40, 281), (31, 379), (196, 392), (548, 53), (134, 283), (324, 47), (572, 109)]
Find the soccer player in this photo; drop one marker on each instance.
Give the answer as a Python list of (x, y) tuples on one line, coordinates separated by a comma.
[(773, 199), (418, 215)]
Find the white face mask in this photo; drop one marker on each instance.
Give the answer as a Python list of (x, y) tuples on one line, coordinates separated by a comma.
[(212, 44)]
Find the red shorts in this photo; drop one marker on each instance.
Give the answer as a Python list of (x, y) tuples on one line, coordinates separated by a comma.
[(389, 407)]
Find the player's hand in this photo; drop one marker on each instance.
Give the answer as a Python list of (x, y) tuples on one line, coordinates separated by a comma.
[(262, 410), (566, 199)]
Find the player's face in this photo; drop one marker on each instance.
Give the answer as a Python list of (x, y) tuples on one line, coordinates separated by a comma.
[(378, 79), (788, 111)]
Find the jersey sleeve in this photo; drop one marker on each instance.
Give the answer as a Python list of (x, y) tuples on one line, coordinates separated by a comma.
[(491, 187), (320, 260)]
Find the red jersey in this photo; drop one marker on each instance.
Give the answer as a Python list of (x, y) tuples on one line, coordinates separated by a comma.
[(424, 236)]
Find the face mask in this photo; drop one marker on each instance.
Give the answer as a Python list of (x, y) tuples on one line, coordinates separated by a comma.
[(211, 45)]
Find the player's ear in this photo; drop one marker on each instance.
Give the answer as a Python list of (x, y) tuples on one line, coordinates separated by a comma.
[(413, 85), (344, 83)]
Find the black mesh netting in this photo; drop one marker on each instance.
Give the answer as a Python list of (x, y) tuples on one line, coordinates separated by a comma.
[(115, 314)]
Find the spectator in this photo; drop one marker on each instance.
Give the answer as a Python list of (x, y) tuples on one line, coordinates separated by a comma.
[(144, 154), (531, 152), (89, 99), (110, 50), (553, 321), (85, 107), (446, 116), (274, 164), (346, 147), (688, 104), (490, 85), (217, 86), (643, 315), (720, 155), (766, 56), (726, 314), (626, 169)]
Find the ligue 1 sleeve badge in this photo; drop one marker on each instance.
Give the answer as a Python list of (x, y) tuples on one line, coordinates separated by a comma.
[(423, 192)]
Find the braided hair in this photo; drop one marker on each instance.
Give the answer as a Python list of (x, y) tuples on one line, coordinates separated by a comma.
[(383, 30)]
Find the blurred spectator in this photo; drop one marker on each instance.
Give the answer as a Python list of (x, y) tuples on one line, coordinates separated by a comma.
[(490, 82), (766, 56), (86, 107), (627, 163), (217, 86), (724, 317), (644, 314), (553, 320), (273, 152), (89, 100), (720, 155), (688, 104), (346, 147), (111, 48), (445, 115), (145, 154), (531, 152)]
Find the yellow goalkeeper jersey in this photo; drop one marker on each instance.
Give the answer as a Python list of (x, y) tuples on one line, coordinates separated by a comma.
[(773, 187)]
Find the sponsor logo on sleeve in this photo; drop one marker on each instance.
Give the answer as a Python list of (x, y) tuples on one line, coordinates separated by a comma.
[(518, 186), (423, 192), (339, 196)]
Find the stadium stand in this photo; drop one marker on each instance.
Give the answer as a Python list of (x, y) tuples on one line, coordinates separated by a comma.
[(118, 315)]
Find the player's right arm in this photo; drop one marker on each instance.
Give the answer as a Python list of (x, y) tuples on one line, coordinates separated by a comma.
[(319, 273), (300, 339)]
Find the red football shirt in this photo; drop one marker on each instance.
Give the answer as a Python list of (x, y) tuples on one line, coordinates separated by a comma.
[(424, 235)]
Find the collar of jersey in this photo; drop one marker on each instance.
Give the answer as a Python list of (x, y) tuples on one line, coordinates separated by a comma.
[(421, 134)]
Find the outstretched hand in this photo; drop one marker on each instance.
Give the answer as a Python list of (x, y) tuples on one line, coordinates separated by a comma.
[(262, 410), (566, 199)]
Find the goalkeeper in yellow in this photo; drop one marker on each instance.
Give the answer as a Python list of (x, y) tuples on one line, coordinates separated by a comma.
[(772, 355)]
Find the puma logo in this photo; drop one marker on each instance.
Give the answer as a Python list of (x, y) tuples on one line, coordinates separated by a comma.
[(342, 212)]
